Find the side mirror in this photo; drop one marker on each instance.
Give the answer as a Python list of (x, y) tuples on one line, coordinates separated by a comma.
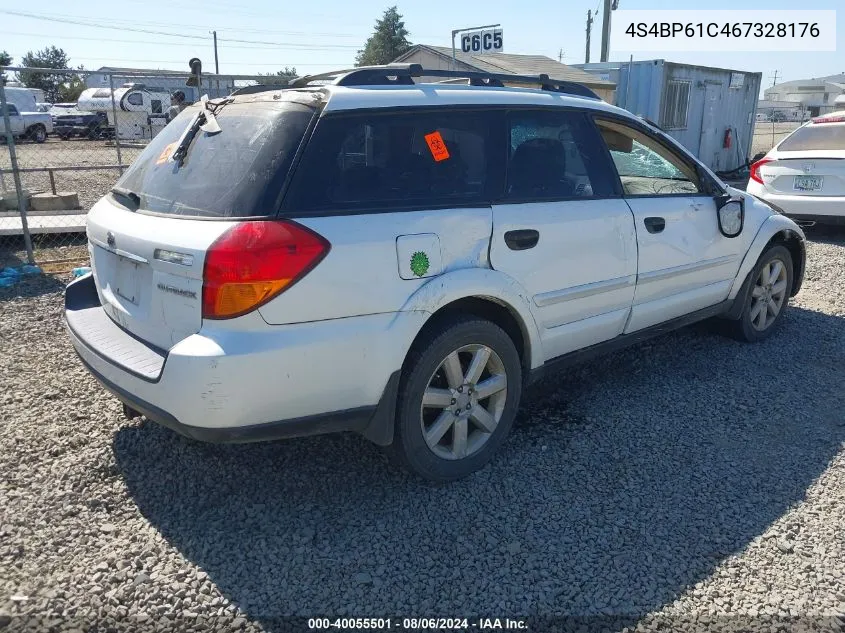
[(731, 213)]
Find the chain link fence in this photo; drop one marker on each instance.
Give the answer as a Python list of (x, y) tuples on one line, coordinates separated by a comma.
[(61, 154)]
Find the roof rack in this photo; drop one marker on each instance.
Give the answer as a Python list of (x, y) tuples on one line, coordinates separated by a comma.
[(403, 75)]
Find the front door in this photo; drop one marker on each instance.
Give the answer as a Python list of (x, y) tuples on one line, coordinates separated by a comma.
[(685, 263), (563, 231)]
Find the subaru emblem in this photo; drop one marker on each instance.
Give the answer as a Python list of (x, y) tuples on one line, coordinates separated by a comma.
[(808, 167), (110, 239)]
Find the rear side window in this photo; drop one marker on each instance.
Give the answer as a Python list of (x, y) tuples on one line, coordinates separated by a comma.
[(238, 172), (556, 154), (394, 160), (815, 136)]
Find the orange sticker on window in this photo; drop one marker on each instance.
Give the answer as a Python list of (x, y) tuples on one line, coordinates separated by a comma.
[(437, 146), (166, 153)]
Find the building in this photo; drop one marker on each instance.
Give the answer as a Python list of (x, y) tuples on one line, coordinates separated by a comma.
[(440, 58), (781, 111), (710, 111), (817, 96), (169, 80)]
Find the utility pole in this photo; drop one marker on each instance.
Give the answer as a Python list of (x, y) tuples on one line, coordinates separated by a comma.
[(216, 65), (774, 78), (560, 56), (589, 29), (605, 31)]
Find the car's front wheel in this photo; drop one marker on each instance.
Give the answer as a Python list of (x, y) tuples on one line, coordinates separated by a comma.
[(767, 296), (458, 397)]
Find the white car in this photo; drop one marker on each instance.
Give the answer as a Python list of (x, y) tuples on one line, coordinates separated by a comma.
[(400, 259), (803, 176)]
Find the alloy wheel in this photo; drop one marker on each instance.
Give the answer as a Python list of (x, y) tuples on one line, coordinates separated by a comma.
[(463, 401), (768, 294)]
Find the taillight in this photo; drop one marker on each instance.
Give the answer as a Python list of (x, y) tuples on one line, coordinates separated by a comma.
[(253, 262), (755, 169), (829, 118)]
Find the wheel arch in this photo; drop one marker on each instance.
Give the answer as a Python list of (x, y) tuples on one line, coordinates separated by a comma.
[(795, 245), (489, 309), (488, 294), (485, 293), (777, 229)]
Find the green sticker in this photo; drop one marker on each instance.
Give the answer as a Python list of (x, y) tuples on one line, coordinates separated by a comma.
[(419, 263)]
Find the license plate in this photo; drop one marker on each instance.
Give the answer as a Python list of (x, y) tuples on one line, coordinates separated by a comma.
[(807, 183), (126, 282)]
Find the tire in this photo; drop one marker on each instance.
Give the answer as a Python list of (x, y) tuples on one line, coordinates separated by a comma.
[(37, 133), (765, 296), (467, 441)]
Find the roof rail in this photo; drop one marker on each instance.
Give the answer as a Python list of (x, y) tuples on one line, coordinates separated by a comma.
[(248, 90), (403, 74)]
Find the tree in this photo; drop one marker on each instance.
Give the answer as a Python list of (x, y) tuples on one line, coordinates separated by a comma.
[(281, 77), (5, 60), (71, 89), (388, 41), (51, 84)]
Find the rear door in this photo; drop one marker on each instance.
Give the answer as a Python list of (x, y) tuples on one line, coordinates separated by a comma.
[(148, 238), (563, 231), (684, 262), (403, 196)]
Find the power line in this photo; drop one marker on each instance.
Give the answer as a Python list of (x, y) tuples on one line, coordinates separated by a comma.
[(182, 62), (176, 35), (183, 44), (96, 22), (111, 21)]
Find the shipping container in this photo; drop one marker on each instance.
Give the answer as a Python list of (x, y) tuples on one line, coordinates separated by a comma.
[(710, 111)]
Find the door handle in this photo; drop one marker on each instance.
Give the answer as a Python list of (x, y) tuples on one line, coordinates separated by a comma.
[(522, 239), (654, 225)]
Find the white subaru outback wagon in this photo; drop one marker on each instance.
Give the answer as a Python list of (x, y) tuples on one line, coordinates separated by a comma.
[(364, 252)]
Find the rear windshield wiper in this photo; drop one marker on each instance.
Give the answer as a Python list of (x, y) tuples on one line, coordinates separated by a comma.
[(187, 137), (131, 196), (205, 120)]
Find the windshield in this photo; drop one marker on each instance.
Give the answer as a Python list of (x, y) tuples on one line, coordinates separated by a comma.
[(237, 172), (815, 136)]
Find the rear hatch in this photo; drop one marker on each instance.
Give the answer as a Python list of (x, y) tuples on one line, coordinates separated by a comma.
[(148, 238), (811, 161)]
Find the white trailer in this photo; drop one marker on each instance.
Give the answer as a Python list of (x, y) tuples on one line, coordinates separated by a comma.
[(140, 109)]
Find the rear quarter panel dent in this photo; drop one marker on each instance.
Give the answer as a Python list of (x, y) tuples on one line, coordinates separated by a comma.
[(483, 284)]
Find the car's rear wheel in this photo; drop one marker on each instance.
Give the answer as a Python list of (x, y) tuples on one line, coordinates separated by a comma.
[(38, 133), (767, 296), (458, 397)]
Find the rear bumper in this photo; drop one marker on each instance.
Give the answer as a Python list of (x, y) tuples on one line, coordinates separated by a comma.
[(351, 420), (823, 209), (228, 385)]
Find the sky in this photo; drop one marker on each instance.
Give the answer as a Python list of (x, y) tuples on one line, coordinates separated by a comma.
[(271, 36)]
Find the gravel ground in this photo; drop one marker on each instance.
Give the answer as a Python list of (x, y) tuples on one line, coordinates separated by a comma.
[(650, 488)]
